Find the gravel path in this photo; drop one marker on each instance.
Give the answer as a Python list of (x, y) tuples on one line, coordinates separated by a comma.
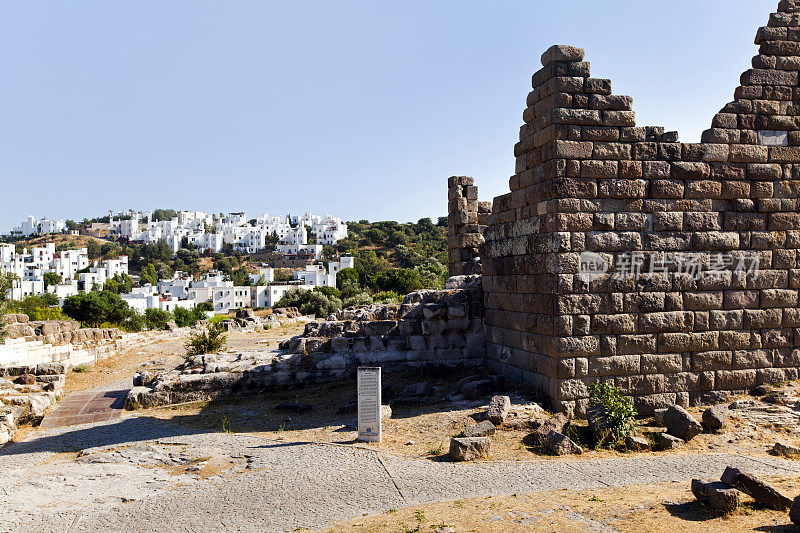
[(277, 486)]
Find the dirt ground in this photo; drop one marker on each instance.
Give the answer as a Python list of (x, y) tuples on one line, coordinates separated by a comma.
[(662, 508), (425, 431)]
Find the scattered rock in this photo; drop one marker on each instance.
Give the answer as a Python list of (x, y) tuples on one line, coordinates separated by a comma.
[(637, 444), (761, 390), (26, 379), (786, 450), (555, 423), (743, 404), (414, 393), (469, 448), (794, 511), (665, 441), (658, 416), (714, 418), (780, 397), (757, 489), (386, 412), (560, 444), (474, 387), (294, 407), (499, 407), (445, 529), (681, 424), (717, 495), (483, 429)]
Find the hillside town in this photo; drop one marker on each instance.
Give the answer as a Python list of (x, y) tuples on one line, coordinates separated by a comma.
[(299, 240)]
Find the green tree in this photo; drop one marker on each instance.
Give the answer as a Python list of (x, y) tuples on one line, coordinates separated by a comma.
[(188, 317), (93, 249), (240, 277), (310, 302), (95, 308), (156, 319), (51, 278), (347, 278), (7, 280), (149, 275)]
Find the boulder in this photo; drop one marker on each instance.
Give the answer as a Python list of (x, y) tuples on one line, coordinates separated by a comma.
[(19, 330), (483, 429), (560, 444), (714, 418), (171, 326), (637, 444), (555, 423), (665, 441), (681, 424), (39, 403), (794, 511), (761, 390), (757, 489), (499, 407), (386, 412), (414, 393), (597, 416), (26, 379), (469, 448), (786, 450), (717, 495), (658, 416)]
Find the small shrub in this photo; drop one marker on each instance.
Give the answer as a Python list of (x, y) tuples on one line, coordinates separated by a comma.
[(209, 340), (226, 425), (621, 414), (436, 449), (82, 368), (387, 297)]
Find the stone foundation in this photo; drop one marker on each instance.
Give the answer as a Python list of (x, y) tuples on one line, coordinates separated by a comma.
[(430, 328)]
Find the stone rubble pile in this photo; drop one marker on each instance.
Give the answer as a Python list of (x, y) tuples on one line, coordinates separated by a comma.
[(246, 319), (438, 328)]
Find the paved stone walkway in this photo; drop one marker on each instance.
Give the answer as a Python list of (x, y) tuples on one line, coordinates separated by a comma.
[(99, 405), (283, 485)]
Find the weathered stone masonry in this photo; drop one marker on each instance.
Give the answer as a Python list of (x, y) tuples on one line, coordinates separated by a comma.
[(588, 179), (466, 221)]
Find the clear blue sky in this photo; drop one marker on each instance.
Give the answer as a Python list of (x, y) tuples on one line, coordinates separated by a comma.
[(357, 108)]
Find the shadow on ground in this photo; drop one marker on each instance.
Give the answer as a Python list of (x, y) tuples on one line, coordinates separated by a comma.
[(328, 406), (123, 430)]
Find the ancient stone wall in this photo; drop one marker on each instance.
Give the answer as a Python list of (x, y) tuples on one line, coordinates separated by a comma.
[(466, 221), (430, 329), (623, 255)]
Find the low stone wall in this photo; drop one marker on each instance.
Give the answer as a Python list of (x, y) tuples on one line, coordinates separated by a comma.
[(430, 328), (25, 394)]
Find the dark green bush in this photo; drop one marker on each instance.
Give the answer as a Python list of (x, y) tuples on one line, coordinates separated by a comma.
[(620, 413)]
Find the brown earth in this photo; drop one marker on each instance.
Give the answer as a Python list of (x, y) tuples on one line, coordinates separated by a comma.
[(669, 508)]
